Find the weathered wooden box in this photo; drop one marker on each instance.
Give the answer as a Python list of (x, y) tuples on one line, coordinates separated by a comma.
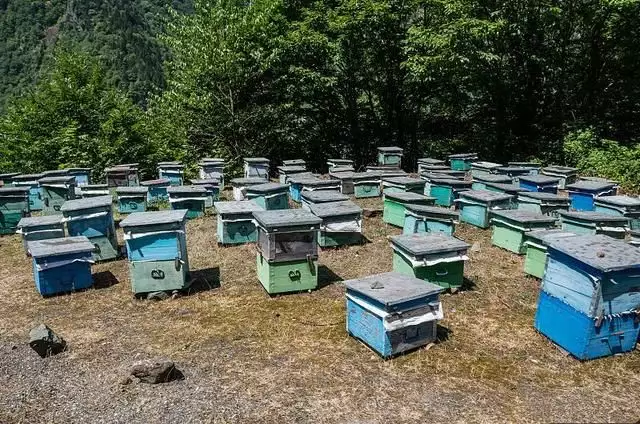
[(484, 168), (511, 226), (191, 198), (132, 199), (40, 228), (172, 171), (393, 313), (386, 171), (589, 296), (7, 178), (533, 167), (480, 181), (433, 257), (626, 206), (510, 189), (35, 192), (94, 190), (82, 175), (156, 247), (614, 190), (93, 218), (436, 169), (402, 184), (296, 184), (294, 162), (286, 171), (240, 186), (341, 163), (422, 162), (157, 190), (429, 219), (235, 222), (366, 184), (56, 173), (544, 203), (539, 183), (212, 168), (447, 190), (56, 191), (582, 193), (476, 205), (514, 172), (341, 223), (256, 168), (346, 180), (122, 175), (567, 175), (591, 222), (213, 190), (14, 205), (271, 196), (634, 237), (536, 242), (462, 161), (321, 197), (287, 258), (390, 156), (436, 175), (61, 265), (396, 203), (314, 184)]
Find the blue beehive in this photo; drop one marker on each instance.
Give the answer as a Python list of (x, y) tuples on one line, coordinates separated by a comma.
[(589, 298), (235, 222), (429, 219), (480, 181), (256, 168), (35, 192), (484, 168), (173, 171), (567, 175), (533, 167), (157, 189), (213, 190), (462, 161), (94, 190), (82, 175), (7, 178), (321, 197), (591, 222), (539, 183), (240, 186), (212, 168), (476, 205), (61, 265), (393, 313), (40, 228), (582, 193), (271, 196), (626, 206), (132, 199), (422, 162), (543, 203)]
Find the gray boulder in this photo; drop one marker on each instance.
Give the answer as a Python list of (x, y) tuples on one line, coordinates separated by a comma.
[(45, 342), (154, 371)]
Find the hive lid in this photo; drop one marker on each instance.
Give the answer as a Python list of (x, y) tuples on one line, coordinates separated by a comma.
[(388, 171), (507, 188), (163, 165), (599, 179), (317, 182), (27, 177), (256, 160), (212, 161), (192, 189), (592, 216), (523, 216), (390, 149), (285, 218), (59, 246), (121, 169), (512, 170), (237, 206), (57, 180), (434, 211), (16, 190), (340, 161), (366, 176), (55, 172), (435, 167), (590, 185), (564, 170), (159, 181), (342, 168), (545, 236), (324, 196), (86, 203), (493, 178), (486, 195), (247, 181), (623, 201), (392, 288), (329, 209), (451, 182), (206, 182), (77, 169), (267, 188), (430, 161), (464, 156), (409, 197), (403, 180), (292, 168), (132, 190), (8, 175), (539, 179), (301, 177), (530, 165), (420, 244), (341, 175), (599, 251), (294, 162), (486, 165), (88, 187), (540, 195), (450, 173), (169, 162), (36, 221), (141, 219)]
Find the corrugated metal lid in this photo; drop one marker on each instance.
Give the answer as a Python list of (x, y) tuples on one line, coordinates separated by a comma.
[(618, 200), (409, 197), (286, 218), (268, 188), (485, 195), (523, 216), (420, 244), (324, 196), (59, 246), (593, 216), (139, 219), (86, 203), (241, 206), (132, 190), (539, 179), (599, 251), (590, 186), (392, 288), (36, 221), (331, 209)]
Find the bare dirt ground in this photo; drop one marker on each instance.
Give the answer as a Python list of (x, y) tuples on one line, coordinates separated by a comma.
[(248, 357)]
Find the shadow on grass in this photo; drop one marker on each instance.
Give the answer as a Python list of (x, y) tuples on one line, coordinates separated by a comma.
[(204, 280), (104, 280), (326, 277), (442, 333), (468, 285)]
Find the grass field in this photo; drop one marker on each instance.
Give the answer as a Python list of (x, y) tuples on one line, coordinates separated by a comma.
[(248, 357)]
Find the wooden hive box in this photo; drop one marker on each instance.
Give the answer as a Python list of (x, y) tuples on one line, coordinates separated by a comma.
[(61, 265), (462, 161), (286, 171), (342, 168), (94, 190), (132, 199), (424, 162), (82, 175), (591, 222), (56, 191), (626, 206), (533, 167), (321, 198), (510, 189), (484, 168), (433, 257), (614, 190), (429, 219), (333, 163), (157, 190), (395, 204), (390, 156), (539, 183), (296, 183), (240, 186), (535, 260), (437, 175), (510, 227), (567, 175), (235, 222), (341, 223), (122, 176), (447, 190), (256, 168), (56, 173), (544, 203), (589, 297), (213, 190), (172, 171), (386, 171), (40, 228), (7, 178), (634, 237), (156, 247), (271, 196), (480, 181), (582, 193), (93, 218), (191, 198), (514, 172), (294, 162), (435, 168), (212, 168), (287, 258), (476, 205), (392, 313), (366, 184), (402, 184), (315, 184), (35, 192), (346, 180)]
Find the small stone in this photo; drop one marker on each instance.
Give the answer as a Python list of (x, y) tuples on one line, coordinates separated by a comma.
[(154, 371), (476, 247), (45, 342)]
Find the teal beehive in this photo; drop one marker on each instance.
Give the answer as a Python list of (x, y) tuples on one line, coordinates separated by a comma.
[(462, 161), (447, 190), (395, 204), (476, 205), (213, 190), (543, 203), (390, 156), (429, 219), (484, 168), (14, 205), (40, 228), (192, 198), (480, 181), (235, 222), (626, 206), (271, 196), (592, 223), (321, 198), (56, 191), (172, 171), (35, 192), (132, 199), (341, 223), (157, 190), (366, 184), (565, 174), (402, 185)]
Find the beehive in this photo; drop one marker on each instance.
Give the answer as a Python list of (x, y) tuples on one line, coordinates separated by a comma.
[(35, 192), (462, 161), (212, 169), (122, 176), (40, 228), (544, 203), (366, 184), (626, 206), (14, 205), (132, 199), (333, 163), (614, 190), (294, 162), (535, 259), (61, 265), (424, 162), (392, 313), (213, 190), (56, 191), (56, 173), (476, 205), (256, 168), (296, 183), (483, 168), (286, 171), (321, 198), (7, 178), (346, 180), (157, 190), (447, 190), (480, 181), (591, 222), (514, 172), (539, 183), (390, 156), (533, 167), (402, 184), (341, 223), (287, 258), (435, 168), (589, 298), (315, 184), (156, 247), (396, 203), (634, 237), (582, 193), (429, 219), (235, 222), (566, 174), (271, 196), (172, 171), (191, 198), (386, 171), (82, 175), (511, 226), (94, 190), (93, 218), (342, 168), (240, 186), (429, 176), (511, 189)]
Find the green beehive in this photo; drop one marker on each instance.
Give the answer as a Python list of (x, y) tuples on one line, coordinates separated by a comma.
[(484, 168), (341, 223), (390, 156), (626, 206), (536, 247), (476, 205), (402, 184), (7, 178), (480, 181), (395, 204), (191, 198), (425, 162), (287, 258), (565, 174), (235, 222), (462, 161), (346, 180), (271, 196), (132, 199), (14, 205), (40, 228), (591, 222), (511, 226), (94, 190), (321, 198), (429, 219), (240, 186), (447, 190), (544, 203), (56, 191), (433, 257), (93, 218)]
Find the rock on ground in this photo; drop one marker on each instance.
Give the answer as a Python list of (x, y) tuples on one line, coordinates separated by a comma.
[(154, 371), (45, 342)]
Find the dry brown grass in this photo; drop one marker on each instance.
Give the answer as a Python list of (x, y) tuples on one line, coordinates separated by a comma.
[(248, 357)]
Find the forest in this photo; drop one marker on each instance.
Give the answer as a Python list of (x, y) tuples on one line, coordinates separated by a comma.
[(94, 83)]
